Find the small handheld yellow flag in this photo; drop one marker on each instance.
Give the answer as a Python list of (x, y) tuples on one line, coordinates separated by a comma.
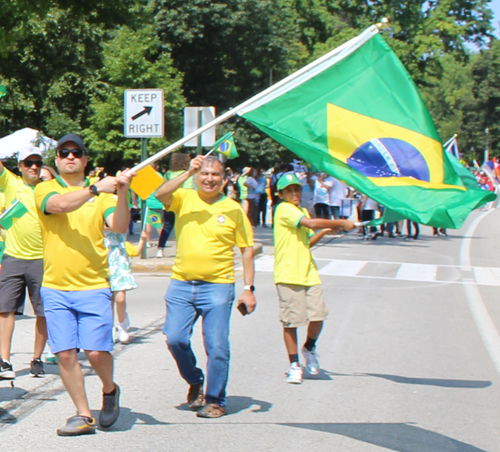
[(146, 182)]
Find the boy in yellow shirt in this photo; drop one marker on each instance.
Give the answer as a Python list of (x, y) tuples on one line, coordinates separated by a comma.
[(295, 273)]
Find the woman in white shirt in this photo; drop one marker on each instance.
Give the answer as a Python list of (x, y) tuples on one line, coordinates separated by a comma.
[(321, 196)]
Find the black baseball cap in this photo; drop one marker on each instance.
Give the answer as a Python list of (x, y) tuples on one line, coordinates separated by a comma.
[(72, 138)]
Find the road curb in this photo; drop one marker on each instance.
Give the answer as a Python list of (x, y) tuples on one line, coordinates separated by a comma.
[(164, 265)]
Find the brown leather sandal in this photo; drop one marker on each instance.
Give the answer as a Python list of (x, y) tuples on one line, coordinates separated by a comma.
[(212, 410)]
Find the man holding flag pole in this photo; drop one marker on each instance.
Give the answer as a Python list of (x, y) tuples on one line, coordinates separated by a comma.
[(208, 225), (75, 288)]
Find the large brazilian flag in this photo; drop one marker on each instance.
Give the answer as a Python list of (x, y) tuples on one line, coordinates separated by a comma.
[(357, 115)]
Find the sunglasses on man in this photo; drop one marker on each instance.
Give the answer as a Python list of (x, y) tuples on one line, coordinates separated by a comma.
[(64, 153), (30, 163)]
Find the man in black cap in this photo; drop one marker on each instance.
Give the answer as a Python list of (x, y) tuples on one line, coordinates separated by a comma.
[(75, 287)]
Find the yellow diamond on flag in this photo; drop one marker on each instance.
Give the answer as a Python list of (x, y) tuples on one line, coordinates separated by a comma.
[(146, 182)]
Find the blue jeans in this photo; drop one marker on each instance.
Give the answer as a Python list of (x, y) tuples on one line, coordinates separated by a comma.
[(186, 301)]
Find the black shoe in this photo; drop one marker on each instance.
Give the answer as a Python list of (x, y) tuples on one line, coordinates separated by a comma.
[(6, 370), (195, 396), (37, 368), (110, 408)]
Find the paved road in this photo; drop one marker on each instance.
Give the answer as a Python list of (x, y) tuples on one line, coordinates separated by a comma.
[(409, 356)]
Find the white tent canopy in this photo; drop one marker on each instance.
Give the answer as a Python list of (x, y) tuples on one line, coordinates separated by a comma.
[(22, 138)]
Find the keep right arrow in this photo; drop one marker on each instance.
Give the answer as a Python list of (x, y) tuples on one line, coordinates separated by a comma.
[(143, 112)]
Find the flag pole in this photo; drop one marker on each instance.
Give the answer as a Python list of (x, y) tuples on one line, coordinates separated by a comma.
[(450, 140), (144, 220), (357, 40)]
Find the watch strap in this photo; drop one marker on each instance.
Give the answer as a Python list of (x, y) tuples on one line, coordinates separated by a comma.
[(94, 190)]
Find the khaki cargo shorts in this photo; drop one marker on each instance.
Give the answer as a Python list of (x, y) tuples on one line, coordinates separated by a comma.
[(301, 304)]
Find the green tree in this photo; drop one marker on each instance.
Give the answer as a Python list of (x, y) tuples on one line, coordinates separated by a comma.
[(421, 31), (50, 53), (449, 98), (228, 50), (483, 111), (132, 59)]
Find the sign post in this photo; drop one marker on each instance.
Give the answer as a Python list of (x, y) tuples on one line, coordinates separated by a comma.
[(144, 118)]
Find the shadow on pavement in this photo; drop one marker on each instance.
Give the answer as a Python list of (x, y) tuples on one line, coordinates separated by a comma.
[(445, 383), (235, 404), (323, 375), (8, 393), (398, 437), (128, 419), (440, 382), (6, 418)]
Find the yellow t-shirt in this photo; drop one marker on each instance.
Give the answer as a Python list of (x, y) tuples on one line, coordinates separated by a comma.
[(2, 208), (293, 261), (206, 235), (75, 257), (23, 240)]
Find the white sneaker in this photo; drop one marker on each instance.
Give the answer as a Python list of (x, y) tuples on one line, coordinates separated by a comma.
[(123, 335), (160, 253), (312, 364), (294, 374)]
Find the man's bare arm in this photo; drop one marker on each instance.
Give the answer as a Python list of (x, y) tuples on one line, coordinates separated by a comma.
[(69, 202)]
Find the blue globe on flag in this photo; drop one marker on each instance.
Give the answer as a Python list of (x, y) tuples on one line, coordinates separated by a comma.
[(389, 157)]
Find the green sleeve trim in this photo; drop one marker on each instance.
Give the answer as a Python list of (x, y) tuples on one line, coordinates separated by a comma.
[(3, 171), (298, 225), (44, 202), (109, 211)]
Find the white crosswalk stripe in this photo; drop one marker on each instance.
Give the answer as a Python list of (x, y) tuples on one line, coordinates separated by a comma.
[(401, 271), (417, 272), (342, 268)]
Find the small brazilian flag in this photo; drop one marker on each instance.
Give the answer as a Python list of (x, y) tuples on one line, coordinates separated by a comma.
[(356, 114), (225, 146), (3, 91), (16, 210), (155, 220)]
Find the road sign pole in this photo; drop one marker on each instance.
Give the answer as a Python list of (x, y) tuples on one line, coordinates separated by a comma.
[(144, 156), (199, 148)]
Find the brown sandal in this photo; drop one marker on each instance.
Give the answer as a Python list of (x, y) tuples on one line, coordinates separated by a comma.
[(212, 410)]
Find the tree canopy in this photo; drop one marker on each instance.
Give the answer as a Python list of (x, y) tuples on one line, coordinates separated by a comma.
[(66, 64)]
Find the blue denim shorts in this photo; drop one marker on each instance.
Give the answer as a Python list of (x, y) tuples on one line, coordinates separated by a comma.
[(78, 319)]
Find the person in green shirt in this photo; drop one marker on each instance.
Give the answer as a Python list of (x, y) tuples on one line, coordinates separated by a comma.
[(296, 275)]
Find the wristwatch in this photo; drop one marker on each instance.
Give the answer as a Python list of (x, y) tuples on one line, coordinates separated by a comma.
[(94, 190), (249, 287)]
